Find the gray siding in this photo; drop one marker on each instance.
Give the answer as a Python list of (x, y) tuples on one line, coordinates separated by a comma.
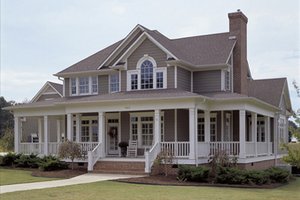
[(67, 87), (183, 79), (103, 84), (43, 97), (207, 81), (169, 125), (182, 125), (28, 127), (147, 47), (123, 80), (170, 77)]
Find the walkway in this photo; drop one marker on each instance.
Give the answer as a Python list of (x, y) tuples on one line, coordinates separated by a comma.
[(85, 178)]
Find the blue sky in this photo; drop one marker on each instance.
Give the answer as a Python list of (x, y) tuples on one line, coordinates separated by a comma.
[(42, 37)]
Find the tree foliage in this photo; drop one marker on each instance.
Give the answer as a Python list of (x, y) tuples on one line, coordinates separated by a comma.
[(7, 140), (294, 128), (293, 157), (6, 117), (70, 150)]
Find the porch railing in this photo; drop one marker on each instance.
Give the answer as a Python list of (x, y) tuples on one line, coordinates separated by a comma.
[(178, 149), (150, 156), (262, 148), (230, 148), (93, 156), (29, 148), (53, 147), (250, 149), (203, 149)]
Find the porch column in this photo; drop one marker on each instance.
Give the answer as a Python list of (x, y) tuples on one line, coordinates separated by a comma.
[(268, 137), (192, 134), (58, 130), (157, 134), (69, 126), (78, 123), (16, 130), (254, 131), (207, 126), (101, 130), (242, 133), (46, 136)]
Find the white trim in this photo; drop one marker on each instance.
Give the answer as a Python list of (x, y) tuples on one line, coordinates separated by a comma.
[(90, 85), (40, 92), (109, 82), (123, 42), (175, 76)]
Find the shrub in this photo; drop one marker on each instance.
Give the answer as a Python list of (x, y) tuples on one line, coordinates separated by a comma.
[(293, 157), (9, 159), (199, 174), (28, 161), (7, 140), (70, 150), (257, 177), (278, 175), (231, 175), (51, 163), (184, 173)]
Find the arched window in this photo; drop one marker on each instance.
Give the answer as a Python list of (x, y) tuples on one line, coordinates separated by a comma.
[(147, 75)]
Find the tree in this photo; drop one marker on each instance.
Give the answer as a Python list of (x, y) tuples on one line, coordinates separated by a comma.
[(6, 117), (70, 150), (295, 126), (293, 157), (7, 140)]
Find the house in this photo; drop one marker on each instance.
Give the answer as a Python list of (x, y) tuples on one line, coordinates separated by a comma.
[(194, 96)]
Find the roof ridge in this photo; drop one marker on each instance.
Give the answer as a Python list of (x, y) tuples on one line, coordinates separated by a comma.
[(54, 83), (214, 34)]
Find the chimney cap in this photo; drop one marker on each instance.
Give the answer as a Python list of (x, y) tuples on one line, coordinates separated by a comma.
[(238, 14)]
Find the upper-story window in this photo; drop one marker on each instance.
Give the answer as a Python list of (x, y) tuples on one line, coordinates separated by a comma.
[(227, 80), (114, 82), (84, 85), (147, 75)]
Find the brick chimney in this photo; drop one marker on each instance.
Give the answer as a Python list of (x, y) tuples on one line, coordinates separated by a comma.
[(238, 28)]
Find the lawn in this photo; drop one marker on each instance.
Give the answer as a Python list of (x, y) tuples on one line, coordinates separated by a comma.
[(10, 176), (115, 191)]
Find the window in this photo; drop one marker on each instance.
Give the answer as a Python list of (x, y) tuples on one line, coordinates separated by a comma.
[(142, 128), (85, 133), (159, 79), (201, 129), (83, 85), (227, 80), (94, 126), (74, 130), (147, 75), (134, 81), (94, 84), (73, 86), (260, 130), (114, 83)]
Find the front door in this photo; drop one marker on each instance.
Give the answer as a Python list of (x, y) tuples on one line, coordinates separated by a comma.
[(112, 136)]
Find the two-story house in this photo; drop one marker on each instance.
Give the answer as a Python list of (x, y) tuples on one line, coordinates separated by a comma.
[(194, 96)]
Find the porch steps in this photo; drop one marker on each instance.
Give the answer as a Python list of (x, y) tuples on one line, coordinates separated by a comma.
[(120, 167)]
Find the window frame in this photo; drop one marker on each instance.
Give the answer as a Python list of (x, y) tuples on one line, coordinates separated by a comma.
[(77, 85), (115, 84), (212, 116)]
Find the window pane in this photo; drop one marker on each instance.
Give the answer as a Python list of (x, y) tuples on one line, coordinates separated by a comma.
[(159, 80), (83, 85), (134, 81), (73, 85), (95, 84), (114, 83), (147, 75)]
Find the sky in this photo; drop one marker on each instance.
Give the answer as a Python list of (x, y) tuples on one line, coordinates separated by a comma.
[(42, 37)]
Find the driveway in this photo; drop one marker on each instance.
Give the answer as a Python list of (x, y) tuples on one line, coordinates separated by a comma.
[(85, 178)]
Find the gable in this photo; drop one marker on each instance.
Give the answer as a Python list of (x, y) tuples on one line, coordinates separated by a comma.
[(47, 92), (149, 48)]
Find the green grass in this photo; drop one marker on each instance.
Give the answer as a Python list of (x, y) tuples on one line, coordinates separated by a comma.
[(10, 176), (115, 191)]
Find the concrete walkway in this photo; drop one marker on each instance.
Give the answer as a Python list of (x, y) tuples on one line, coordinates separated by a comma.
[(85, 178)]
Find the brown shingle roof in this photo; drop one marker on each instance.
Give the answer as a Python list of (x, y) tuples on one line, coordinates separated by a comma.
[(267, 90), (92, 62), (197, 50), (58, 87)]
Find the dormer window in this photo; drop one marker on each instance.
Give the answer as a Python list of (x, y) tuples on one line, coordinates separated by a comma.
[(147, 75), (114, 82)]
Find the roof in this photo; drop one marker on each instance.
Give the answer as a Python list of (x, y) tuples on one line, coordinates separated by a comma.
[(267, 90), (92, 62), (58, 87), (198, 50)]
